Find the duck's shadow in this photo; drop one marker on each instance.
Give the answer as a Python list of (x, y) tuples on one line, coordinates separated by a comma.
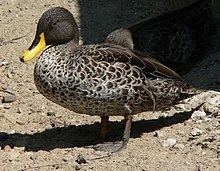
[(84, 135)]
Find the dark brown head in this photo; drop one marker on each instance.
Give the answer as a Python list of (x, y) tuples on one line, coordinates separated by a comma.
[(122, 37), (56, 26)]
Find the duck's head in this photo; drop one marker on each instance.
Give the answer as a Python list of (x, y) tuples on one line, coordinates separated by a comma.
[(56, 26), (122, 37)]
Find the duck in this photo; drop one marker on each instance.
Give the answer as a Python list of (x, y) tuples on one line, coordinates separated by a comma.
[(178, 38), (106, 79)]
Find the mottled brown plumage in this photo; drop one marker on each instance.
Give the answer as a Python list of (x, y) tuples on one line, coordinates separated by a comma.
[(100, 79), (178, 38)]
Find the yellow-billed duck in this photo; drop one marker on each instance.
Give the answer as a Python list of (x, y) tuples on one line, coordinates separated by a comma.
[(98, 79)]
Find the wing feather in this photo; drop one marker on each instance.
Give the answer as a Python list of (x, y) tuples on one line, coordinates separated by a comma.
[(149, 66)]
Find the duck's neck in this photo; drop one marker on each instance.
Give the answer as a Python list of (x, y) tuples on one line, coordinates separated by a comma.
[(70, 46), (56, 56), (61, 51)]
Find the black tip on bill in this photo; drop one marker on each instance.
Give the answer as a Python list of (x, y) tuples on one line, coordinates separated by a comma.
[(22, 60)]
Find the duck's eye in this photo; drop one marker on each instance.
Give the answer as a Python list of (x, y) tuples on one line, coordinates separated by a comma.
[(55, 23)]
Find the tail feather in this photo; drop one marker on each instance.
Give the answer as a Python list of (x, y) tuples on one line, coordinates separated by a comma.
[(191, 91)]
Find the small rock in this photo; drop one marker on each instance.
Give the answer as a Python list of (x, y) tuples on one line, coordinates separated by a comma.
[(207, 119), (196, 132), (198, 115), (9, 75), (13, 155), (210, 138), (19, 111), (182, 107), (69, 1), (215, 123), (215, 101), (80, 159), (7, 148), (158, 134), (20, 122), (12, 131), (179, 146), (7, 106), (209, 108), (8, 99), (3, 62), (212, 105), (77, 167), (204, 145), (50, 113), (64, 159), (170, 142)]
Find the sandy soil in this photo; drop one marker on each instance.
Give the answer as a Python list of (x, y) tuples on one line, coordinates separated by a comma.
[(36, 134)]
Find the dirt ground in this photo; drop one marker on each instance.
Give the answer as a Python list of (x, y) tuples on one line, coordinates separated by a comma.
[(36, 134)]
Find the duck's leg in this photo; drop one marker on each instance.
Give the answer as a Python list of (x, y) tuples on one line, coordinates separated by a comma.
[(113, 147), (104, 128), (127, 131)]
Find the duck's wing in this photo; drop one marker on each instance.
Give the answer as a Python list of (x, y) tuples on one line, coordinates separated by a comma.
[(123, 37), (150, 67), (159, 69)]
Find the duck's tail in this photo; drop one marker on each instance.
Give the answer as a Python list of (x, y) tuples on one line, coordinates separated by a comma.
[(190, 91)]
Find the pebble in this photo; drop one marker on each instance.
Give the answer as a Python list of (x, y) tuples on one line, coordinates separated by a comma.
[(209, 108), (81, 159), (19, 111), (50, 113), (183, 107), (198, 115), (212, 105), (13, 155), (69, 1), (210, 138), (7, 148), (8, 99), (9, 75), (158, 134), (20, 122), (179, 146), (77, 167), (207, 119), (11, 131), (170, 142), (3, 62), (196, 132), (215, 101), (7, 106), (215, 123), (64, 159)]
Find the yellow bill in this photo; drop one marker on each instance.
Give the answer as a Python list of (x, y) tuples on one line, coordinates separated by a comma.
[(32, 53)]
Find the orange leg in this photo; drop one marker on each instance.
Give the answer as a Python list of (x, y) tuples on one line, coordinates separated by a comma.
[(104, 127)]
